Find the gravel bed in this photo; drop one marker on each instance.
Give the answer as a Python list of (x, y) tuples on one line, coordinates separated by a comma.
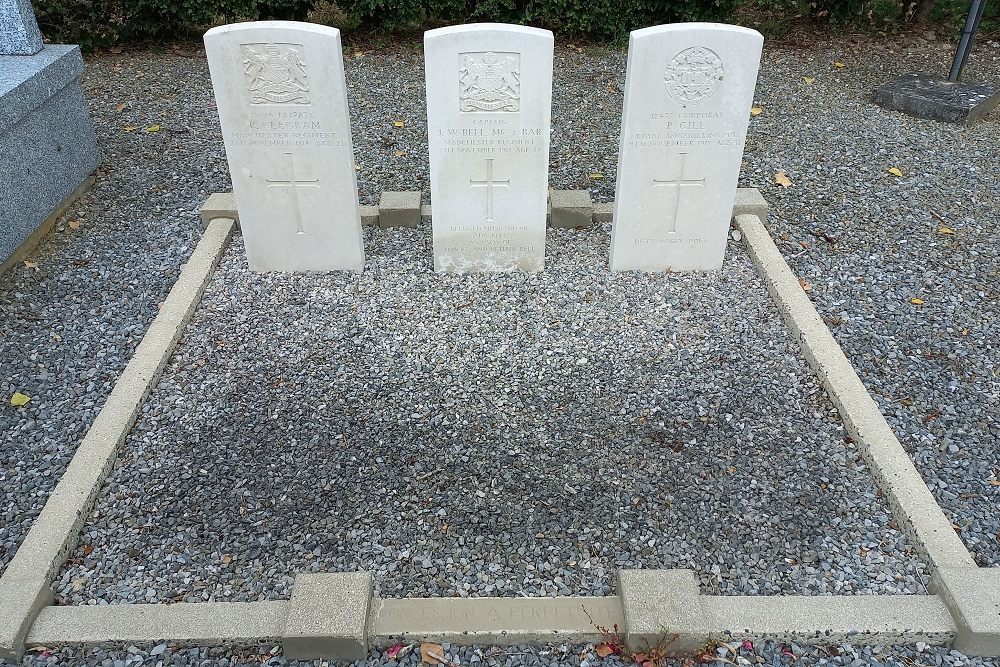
[(487, 435), (67, 329), (766, 653), (69, 324)]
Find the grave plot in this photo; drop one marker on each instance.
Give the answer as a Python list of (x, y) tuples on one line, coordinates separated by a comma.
[(500, 435)]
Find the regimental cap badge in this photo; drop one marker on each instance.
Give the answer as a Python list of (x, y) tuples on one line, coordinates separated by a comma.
[(694, 75), (489, 81), (275, 73)]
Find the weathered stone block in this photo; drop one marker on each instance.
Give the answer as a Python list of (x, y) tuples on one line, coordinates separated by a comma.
[(328, 617), (399, 209), (662, 611), (926, 96), (570, 208)]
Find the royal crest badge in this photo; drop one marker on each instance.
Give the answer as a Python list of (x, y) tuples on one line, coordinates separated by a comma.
[(275, 74), (490, 81)]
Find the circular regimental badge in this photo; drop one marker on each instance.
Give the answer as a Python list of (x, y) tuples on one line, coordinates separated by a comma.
[(693, 75)]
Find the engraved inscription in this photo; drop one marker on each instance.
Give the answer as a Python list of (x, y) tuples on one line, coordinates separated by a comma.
[(693, 75), (678, 183), (489, 81), (489, 184), (275, 73), (294, 184)]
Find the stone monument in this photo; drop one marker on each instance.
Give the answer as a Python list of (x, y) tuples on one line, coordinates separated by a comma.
[(688, 92), (489, 98), (282, 100), (47, 144)]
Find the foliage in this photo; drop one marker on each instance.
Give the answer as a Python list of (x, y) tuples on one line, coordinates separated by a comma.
[(100, 23), (605, 19)]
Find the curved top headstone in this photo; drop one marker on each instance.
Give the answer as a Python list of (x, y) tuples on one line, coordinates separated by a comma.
[(489, 98), (19, 33), (688, 92), (282, 100)]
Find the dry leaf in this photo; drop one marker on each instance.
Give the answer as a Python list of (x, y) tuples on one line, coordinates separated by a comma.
[(398, 651), (358, 54), (152, 128), (809, 79), (400, 153), (31, 265), (917, 302), (18, 399), (596, 176), (604, 650), (945, 230), (995, 482), (804, 284), (756, 111), (131, 128), (781, 179), (838, 65), (73, 224), (120, 107), (227, 559), (432, 654), (398, 123), (895, 171)]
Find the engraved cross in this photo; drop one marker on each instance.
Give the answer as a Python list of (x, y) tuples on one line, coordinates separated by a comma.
[(294, 184), (489, 184), (678, 183)]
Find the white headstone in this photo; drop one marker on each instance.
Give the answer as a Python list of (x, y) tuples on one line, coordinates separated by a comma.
[(279, 87), (489, 98), (688, 93)]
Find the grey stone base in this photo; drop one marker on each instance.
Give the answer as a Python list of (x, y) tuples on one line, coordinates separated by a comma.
[(936, 98), (47, 144)]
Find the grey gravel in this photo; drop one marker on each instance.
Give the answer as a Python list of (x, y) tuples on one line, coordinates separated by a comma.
[(732, 652), (486, 435), (931, 367)]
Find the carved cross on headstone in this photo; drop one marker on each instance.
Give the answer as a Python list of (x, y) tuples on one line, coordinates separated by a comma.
[(678, 183), (489, 184), (294, 184)]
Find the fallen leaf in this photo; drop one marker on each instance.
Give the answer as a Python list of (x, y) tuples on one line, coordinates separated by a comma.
[(358, 54), (806, 287), (73, 224), (606, 649), (809, 79), (945, 230), (995, 482), (838, 64), (432, 654), (965, 332), (115, 50), (756, 111), (398, 123), (152, 128), (31, 265), (120, 107), (227, 559), (18, 399), (895, 171), (131, 128), (400, 153), (88, 549), (596, 176), (917, 302), (782, 179)]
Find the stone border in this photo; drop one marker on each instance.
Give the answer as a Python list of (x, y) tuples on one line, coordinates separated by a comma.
[(25, 584), (335, 615)]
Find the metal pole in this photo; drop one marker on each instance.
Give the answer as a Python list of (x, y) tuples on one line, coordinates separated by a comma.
[(972, 19)]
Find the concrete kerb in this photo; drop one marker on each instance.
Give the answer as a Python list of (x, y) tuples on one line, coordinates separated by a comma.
[(223, 205), (25, 584), (827, 619), (911, 501)]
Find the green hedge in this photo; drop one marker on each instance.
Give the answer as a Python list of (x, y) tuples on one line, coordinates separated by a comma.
[(98, 23)]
